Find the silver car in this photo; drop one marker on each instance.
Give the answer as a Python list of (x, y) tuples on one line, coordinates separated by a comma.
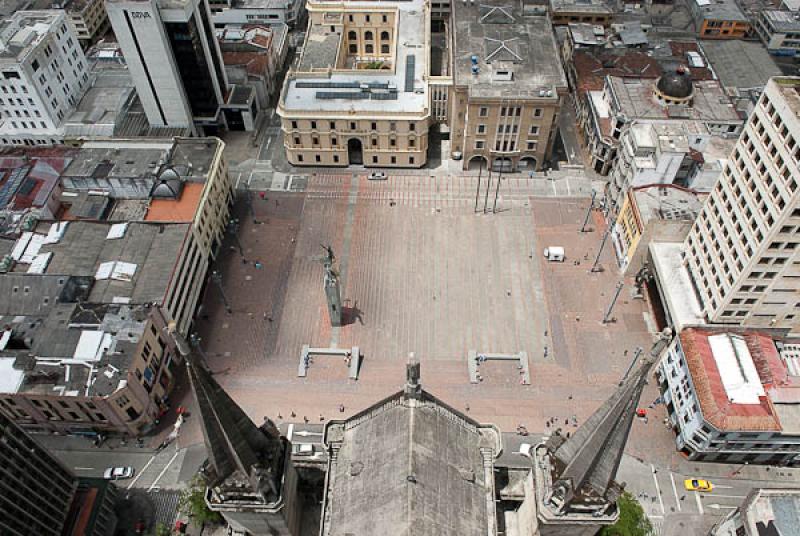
[(118, 473)]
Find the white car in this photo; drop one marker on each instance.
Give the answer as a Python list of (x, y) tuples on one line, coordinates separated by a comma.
[(118, 473), (378, 176)]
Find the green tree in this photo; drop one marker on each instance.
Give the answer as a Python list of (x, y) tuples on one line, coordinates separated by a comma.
[(632, 519), (161, 530), (193, 503)]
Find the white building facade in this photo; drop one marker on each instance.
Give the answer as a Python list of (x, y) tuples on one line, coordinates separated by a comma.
[(742, 251), (43, 74)]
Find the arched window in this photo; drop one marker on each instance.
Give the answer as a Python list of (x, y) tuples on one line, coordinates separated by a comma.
[(384, 49), (368, 49), (352, 36), (384, 36), (368, 36)]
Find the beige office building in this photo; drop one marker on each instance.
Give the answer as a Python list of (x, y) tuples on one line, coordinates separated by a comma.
[(359, 93), (507, 87), (742, 252)]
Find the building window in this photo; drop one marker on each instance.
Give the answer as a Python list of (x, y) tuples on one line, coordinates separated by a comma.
[(537, 112), (317, 158), (374, 126), (481, 129), (296, 140), (534, 130), (394, 160), (480, 144), (353, 49), (294, 124), (384, 35), (368, 35), (411, 161), (336, 159), (351, 35), (369, 49), (352, 125), (313, 125), (299, 158), (334, 142), (392, 142), (384, 49), (374, 159), (531, 145), (332, 125), (412, 143), (412, 127), (314, 141)]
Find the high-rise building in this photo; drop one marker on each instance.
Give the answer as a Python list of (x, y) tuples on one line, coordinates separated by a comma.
[(173, 55), (35, 488), (43, 74), (742, 252)]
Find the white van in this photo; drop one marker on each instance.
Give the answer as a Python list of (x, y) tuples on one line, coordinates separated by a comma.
[(554, 254)]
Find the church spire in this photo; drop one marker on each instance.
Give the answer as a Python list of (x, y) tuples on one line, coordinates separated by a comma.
[(238, 451), (585, 465)]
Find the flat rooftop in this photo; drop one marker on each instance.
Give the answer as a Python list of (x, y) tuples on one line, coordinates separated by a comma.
[(402, 88), (23, 31), (718, 10), (740, 64), (676, 287), (132, 262), (503, 39), (637, 100), (582, 6), (782, 21), (667, 202)]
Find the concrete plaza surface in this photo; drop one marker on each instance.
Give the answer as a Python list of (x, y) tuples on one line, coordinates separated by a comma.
[(421, 272)]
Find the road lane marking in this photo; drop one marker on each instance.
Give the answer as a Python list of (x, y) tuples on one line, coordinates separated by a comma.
[(718, 506), (658, 489), (675, 491), (699, 504), (164, 470), (269, 140), (250, 178), (289, 432), (84, 468), (728, 496), (238, 178), (142, 470)]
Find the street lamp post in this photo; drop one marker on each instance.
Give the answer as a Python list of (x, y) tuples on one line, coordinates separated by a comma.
[(216, 277), (588, 212), (607, 317), (596, 266), (195, 340), (233, 229)]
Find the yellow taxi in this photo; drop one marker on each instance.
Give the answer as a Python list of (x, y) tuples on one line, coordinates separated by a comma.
[(697, 484)]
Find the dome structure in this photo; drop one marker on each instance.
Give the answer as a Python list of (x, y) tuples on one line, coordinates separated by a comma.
[(675, 87)]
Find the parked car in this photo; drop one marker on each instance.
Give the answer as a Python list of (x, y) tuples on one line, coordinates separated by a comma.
[(698, 484), (378, 176), (118, 473)]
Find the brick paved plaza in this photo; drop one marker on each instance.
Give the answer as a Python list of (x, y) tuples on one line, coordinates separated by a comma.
[(422, 272)]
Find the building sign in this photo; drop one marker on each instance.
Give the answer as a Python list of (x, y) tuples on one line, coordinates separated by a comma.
[(140, 14)]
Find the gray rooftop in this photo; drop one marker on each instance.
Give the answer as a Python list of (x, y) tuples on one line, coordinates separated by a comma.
[(411, 465), (781, 21), (740, 64), (153, 248), (320, 49), (637, 101), (24, 31), (666, 202), (582, 6), (717, 10), (502, 38)]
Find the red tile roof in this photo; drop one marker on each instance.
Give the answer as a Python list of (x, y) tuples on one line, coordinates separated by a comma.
[(254, 62), (591, 67), (714, 402)]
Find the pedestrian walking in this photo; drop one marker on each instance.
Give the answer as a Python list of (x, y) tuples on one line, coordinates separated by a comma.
[(305, 419), (321, 417), (341, 408)]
